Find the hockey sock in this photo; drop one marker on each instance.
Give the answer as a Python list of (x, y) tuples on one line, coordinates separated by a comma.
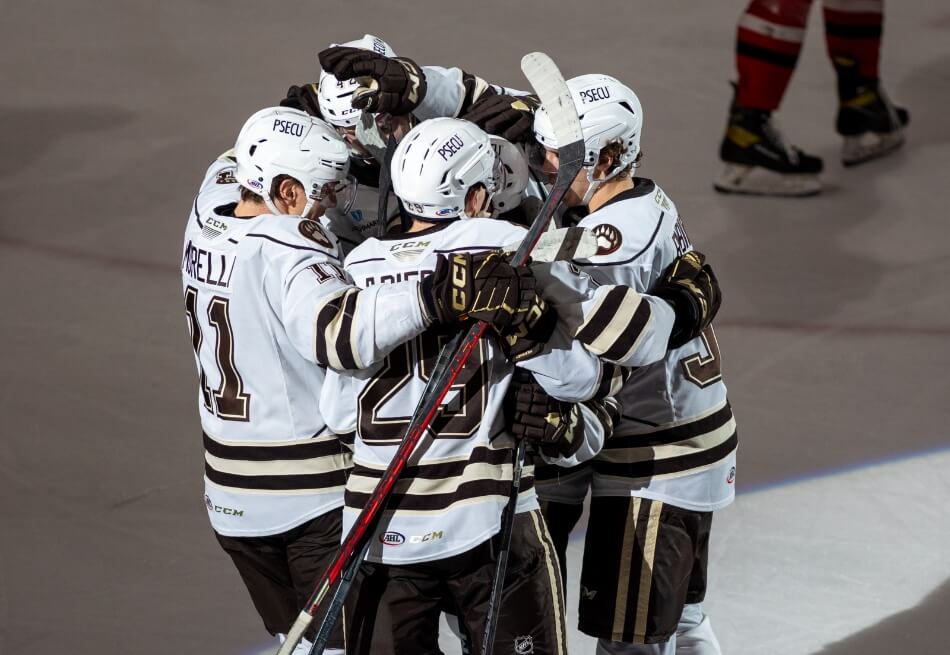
[(853, 35), (694, 633), (769, 39)]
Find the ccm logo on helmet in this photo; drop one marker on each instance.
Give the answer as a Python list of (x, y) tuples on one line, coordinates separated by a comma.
[(595, 94), (288, 127), (450, 147)]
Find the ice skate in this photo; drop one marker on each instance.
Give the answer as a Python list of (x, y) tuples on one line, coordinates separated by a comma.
[(871, 126), (757, 161)]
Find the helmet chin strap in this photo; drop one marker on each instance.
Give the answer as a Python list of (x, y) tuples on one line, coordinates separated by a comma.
[(593, 185)]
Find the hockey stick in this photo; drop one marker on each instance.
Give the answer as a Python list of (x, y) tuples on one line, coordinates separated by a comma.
[(560, 244), (551, 88), (385, 182), (504, 547), (343, 587)]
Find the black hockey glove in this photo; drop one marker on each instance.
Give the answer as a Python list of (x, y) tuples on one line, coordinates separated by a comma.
[(511, 117), (554, 426), (527, 339), (304, 98), (391, 85), (481, 286), (690, 286)]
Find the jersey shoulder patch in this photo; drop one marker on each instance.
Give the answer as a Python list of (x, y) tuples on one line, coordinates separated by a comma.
[(625, 230)]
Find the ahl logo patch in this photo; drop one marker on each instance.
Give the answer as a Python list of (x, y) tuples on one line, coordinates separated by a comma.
[(208, 503), (732, 475), (609, 239), (392, 539), (524, 645)]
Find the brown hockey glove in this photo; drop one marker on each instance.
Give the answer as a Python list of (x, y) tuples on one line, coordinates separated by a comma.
[(691, 287), (304, 98), (511, 117), (527, 339), (392, 85), (553, 426), (481, 286)]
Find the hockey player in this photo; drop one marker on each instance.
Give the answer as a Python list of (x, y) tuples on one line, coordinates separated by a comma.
[(756, 158), (439, 537), (264, 292), (671, 460)]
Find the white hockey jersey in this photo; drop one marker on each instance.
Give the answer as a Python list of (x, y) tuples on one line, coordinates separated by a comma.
[(263, 296), (676, 441), (451, 496)]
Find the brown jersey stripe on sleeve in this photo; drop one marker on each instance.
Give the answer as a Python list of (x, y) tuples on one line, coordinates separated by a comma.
[(333, 333)]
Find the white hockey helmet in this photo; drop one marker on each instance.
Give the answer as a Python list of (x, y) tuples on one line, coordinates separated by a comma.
[(609, 112), (283, 141), (513, 174), (436, 164), (336, 95)]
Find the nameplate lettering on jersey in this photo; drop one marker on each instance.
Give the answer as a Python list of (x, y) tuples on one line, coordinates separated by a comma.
[(287, 127), (396, 277), (207, 266)]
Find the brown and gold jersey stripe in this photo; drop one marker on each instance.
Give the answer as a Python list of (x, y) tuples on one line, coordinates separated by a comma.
[(335, 337), (316, 465), (436, 486), (671, 451), (614, 328)]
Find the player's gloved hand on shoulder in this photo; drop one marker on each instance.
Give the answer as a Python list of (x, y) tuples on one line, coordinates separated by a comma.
[(554, 426), (511, 117), (482, 286), (691, 287), (391, 85), (304, 98)]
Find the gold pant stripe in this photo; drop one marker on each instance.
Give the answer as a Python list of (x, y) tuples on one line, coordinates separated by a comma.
[(623, 576), (646, 572), (554, 575)]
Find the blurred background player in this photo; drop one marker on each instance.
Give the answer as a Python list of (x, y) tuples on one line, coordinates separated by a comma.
[(757, 160), (671, 459)]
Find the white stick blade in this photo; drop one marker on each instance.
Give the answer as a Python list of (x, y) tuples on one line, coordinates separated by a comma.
[(549, 85)]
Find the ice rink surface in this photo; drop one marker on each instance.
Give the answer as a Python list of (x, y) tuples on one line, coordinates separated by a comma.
[(835, 327)]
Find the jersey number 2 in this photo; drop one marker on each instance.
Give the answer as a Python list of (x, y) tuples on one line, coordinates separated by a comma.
[(229, 400)]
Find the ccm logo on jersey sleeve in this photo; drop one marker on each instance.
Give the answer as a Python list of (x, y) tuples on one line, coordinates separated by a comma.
[(450, 147)]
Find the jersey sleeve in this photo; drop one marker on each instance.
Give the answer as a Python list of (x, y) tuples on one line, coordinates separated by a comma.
[(614, 322), (451, 91), (598, 424), (329, 320), (563, 354)]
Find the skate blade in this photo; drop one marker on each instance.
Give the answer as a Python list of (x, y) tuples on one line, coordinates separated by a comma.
[(870, 145), (758, 181)]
